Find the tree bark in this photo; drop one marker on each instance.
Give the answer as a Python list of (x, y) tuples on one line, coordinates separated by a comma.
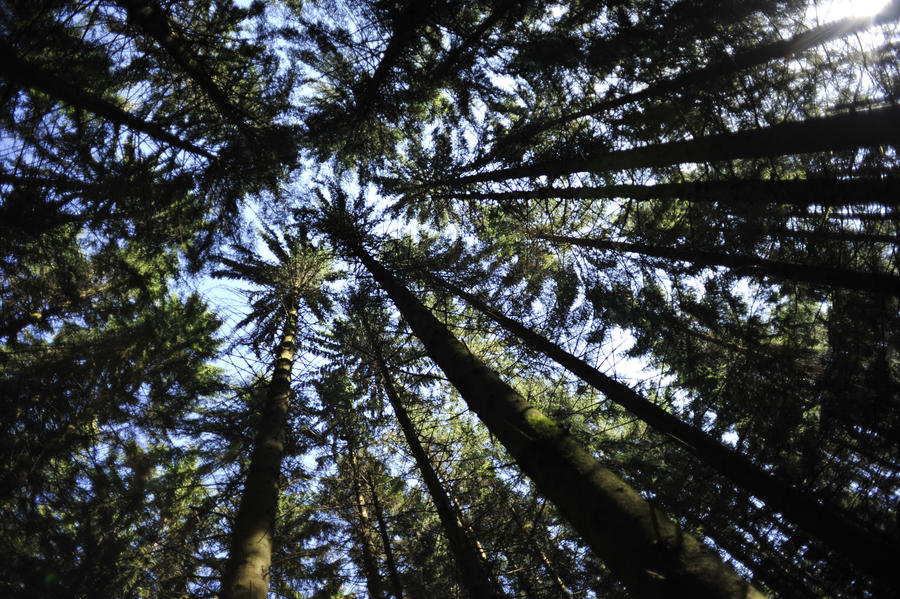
[(246, 573), (474, 575), (742, 264), (880, 126), (800, 192), (865, 548), (648, 552)]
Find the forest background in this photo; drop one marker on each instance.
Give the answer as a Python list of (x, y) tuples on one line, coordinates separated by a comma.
[(538, 299)]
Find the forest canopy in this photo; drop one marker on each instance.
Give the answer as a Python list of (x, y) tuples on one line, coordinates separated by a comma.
[(449, 299)]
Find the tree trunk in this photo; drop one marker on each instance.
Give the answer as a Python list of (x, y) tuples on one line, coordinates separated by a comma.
[(800, 192), (743, 60), (366, 546), (409, 18), (443, 69), (731, 65), (246, 573), (880, 126), (393, 574), (865, 548), (29, 75), (643, 547), (742, 264), (474, 577)]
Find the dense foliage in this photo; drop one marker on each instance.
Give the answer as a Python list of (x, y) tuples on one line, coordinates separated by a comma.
[(543, 299)]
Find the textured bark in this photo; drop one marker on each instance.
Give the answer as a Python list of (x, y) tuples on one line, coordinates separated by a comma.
[(23, 73), (880, 126), (246, 573), (474, 575), (742, 264), (865, 548), (645, 549)]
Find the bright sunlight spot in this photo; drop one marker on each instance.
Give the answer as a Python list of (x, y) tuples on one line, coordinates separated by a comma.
[(840, 9)]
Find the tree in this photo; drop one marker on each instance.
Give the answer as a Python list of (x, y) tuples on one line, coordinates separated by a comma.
[(298, 278), (473, 573), (619, 314), (564, 470)]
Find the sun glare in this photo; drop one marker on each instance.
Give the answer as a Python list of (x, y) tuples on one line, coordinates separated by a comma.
[(840, 9)]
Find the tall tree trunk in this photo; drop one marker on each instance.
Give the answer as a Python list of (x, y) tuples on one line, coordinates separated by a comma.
[(409, 18), (363, 531), (246, 573), (801, 192), (29, 75), (747, 265), (474, 575), (743, 60), (393, 574), (642, 546), (879, 126), (866, 548)]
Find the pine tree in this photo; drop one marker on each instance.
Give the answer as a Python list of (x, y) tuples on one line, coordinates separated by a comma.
[(298, 278)]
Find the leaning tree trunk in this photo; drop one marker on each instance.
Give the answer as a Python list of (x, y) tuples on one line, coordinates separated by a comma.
[(246, 573), (880, 126), (731, 65), (153, 20), (744, 193), (474, 575), (742, 264), (646, 550), (867, 549)]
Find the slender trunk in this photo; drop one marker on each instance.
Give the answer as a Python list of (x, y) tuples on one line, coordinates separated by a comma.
[(466, 525), (527, 530), (729, 66), (642, 546), (23, 73), (393, 574), (801, 192), (366, 546), (246, 573), (475, 577), (867, 549), (829, 236), (551, 570), (743, 264), (880, 126)]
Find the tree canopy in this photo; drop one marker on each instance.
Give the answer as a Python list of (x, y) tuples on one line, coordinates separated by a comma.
[(478, 298)]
